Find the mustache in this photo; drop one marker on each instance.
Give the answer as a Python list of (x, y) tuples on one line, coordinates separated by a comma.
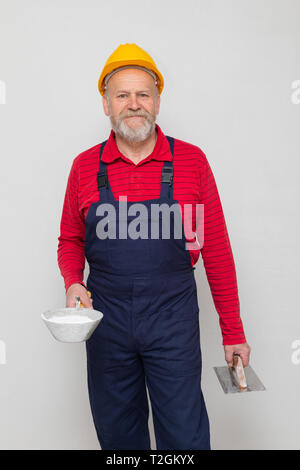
[(140, 113)]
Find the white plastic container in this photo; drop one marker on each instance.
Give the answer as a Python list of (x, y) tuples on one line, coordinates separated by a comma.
[(72, 325)]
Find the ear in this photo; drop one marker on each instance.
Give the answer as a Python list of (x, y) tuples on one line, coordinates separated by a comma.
[(157, 104), (105, 105)]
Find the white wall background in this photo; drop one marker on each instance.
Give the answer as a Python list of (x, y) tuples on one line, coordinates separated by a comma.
[(229, 66)]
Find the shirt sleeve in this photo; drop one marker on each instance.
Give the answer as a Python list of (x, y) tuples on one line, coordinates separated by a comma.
[(218, 261), (70, 251)]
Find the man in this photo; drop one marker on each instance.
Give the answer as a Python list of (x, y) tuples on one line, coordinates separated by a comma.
[(145, 285)]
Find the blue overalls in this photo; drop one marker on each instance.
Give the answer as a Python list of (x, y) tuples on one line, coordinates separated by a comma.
[(149, 334)]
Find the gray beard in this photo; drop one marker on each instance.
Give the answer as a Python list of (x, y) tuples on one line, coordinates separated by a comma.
[(133, 135)]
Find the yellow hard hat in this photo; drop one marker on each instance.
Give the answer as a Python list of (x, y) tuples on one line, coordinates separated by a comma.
[(129, 54)]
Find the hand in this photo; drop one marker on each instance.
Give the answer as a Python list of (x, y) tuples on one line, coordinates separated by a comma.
[(242, 349), (78, 290)]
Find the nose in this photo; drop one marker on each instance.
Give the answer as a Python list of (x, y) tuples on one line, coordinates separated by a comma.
[(133, 102)]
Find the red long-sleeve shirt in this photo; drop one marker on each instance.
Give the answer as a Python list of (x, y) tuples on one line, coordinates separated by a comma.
[(193, 183)]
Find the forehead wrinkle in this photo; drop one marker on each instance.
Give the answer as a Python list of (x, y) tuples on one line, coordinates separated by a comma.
[(128, 91)]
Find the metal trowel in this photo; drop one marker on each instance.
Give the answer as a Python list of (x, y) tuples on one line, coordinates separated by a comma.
[(238, 379)]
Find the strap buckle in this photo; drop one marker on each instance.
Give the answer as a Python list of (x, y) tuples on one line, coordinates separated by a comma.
[(102, 178), (167, 175)]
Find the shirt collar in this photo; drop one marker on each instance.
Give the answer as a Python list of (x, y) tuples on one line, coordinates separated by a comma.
[(161, 151)]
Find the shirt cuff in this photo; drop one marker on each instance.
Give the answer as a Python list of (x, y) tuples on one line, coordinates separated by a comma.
[(69, 282)]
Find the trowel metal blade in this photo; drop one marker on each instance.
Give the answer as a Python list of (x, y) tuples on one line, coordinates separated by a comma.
[(228, 385)]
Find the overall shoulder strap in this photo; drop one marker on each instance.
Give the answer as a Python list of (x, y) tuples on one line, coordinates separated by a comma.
[(166, 186), (102, 178)]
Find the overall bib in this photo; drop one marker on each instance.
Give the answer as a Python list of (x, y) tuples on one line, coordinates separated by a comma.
[(149, 334)]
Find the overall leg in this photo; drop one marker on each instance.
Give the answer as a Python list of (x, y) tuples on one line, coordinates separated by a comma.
[(172, 362), (116, 384), (179, 412)]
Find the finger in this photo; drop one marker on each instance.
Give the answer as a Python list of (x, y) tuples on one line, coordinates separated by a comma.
[(70, 303), (228, 358), (245, 359), (90, 299), (86, 302)]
